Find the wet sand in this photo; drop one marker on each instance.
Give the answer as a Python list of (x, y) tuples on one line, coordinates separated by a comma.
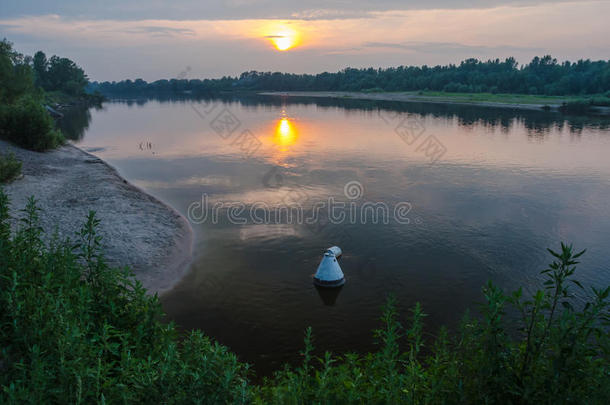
[(138, 230)]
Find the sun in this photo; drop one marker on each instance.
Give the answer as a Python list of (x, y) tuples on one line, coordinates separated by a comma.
[(282, 37), (282, 43)]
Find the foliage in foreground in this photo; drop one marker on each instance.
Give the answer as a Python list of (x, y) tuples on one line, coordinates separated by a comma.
[(10, 167), (561, 355), (73, 330)]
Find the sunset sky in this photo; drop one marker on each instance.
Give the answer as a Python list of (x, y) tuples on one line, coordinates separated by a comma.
[(151, 39)]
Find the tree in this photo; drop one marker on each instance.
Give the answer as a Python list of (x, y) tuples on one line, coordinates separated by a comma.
[(23, 119), (543, 75), (41, 65), (16, 77), (65, 75)]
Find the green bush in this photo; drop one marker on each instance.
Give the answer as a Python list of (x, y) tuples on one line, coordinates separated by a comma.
[(27, 124), (73, 330), (16, 76), (10, 167), (23, 119), (558, 355)]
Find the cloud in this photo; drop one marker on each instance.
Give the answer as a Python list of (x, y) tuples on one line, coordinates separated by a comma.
[(238, 9), (8, 27), (330, 14), (161, 31), (114, 49), (439, 47)]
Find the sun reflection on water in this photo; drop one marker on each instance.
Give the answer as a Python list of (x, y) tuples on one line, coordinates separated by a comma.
[(285, 134)]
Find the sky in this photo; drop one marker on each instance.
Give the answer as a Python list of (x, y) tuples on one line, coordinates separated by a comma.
[(152, 39)]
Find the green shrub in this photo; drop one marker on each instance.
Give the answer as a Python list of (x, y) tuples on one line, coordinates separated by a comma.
[(10, 167), (27, 124), (73, 330), (559, 355)]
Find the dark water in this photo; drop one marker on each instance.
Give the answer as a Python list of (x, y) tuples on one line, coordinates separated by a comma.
[(508, 185)]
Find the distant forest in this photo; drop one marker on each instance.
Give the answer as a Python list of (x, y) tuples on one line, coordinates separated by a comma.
[(543, 75)]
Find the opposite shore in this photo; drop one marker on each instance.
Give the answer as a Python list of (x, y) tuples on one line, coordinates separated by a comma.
[(138, 230), (511, 101)]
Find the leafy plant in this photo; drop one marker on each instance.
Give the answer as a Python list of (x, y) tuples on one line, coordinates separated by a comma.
[(27, 124), (10, 167), (24, 119), (74, 330), (559, 355)]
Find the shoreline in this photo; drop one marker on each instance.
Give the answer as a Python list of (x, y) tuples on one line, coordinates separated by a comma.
[(409, 97), (138, 230)]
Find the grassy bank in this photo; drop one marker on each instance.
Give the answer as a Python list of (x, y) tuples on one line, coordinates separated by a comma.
[(74, 330), (501, 98), (575, 104)]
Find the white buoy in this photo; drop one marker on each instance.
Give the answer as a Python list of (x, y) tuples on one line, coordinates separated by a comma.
[(329, 273), (336, 250)]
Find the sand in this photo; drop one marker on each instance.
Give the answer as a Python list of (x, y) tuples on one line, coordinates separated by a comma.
[(138, 230)]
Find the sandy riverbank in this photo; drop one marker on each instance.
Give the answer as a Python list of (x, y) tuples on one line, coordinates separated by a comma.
[(415, 98), (139, 231)]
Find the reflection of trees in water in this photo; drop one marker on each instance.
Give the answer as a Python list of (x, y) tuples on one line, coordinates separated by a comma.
[(538, 124), (75, 122)]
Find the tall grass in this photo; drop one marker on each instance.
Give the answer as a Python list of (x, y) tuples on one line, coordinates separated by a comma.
[(559, 356), (10, 167), (74, 330)]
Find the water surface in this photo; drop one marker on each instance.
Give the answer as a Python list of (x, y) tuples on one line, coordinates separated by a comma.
[(508, 185)]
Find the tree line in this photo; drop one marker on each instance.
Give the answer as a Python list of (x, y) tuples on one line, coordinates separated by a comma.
[(28, 87), (543, 76)]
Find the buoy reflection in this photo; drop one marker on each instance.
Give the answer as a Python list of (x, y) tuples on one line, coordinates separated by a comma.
[(329, 295)]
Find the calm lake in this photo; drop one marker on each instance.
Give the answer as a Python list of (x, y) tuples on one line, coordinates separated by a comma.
[(454, 196)]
